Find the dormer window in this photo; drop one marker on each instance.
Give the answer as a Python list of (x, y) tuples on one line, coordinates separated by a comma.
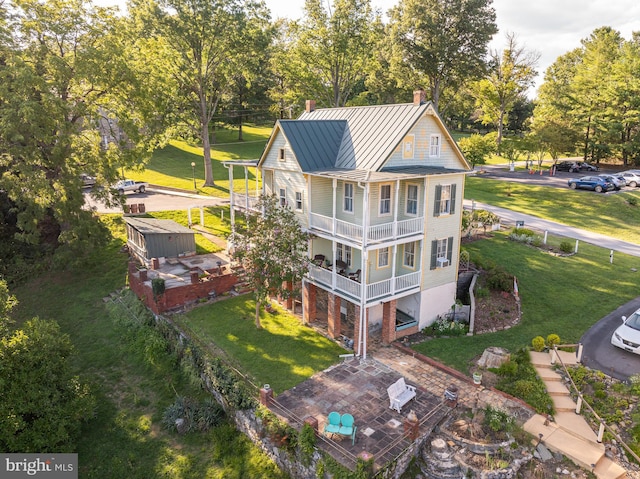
[(281, 154)]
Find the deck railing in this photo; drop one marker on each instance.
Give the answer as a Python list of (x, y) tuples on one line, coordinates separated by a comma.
[(379, 289), (375, 233)]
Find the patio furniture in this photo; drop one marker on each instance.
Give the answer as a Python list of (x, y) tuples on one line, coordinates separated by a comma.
[(333, 423), (318, 260), (400, 394), (347, 427), (355, 276), (341, 267)]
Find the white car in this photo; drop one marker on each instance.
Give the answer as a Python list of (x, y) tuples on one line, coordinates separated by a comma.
[(627, 336), (632, 177), (617, 180)]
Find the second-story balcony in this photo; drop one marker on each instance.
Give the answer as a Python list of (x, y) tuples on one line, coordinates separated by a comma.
[(375, 233)]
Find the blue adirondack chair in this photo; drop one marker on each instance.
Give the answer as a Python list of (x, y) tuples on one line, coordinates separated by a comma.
[(347, 427), (333, 423)]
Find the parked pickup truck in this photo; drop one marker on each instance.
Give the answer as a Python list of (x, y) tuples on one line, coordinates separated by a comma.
[(124, 186)]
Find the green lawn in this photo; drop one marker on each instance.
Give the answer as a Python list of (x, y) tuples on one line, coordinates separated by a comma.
[(171, 166), (125, 439), (282, 354), (562, 295), (611, 215)]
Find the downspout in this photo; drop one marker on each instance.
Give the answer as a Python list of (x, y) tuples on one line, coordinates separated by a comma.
[(363, 266), (334, 184), (246, 188)]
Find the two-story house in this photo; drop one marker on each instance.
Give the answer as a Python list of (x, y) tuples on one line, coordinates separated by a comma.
[(380, 189)]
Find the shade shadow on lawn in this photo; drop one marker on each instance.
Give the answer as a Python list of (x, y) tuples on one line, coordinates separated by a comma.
[(283, 353)]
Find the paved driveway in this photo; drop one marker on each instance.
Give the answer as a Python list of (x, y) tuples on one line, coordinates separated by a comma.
[(598, 353)]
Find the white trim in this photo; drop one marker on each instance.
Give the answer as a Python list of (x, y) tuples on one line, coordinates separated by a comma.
[(352, 197), (383, 266), (406, 199), (414, 255), (435, 145), (389, 199), (301, 201)]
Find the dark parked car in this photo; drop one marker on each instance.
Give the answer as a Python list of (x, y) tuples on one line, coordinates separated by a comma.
[(587, 166), (569, 166), (595, 183)]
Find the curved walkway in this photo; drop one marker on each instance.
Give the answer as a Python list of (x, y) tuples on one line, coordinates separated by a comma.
[(510, 217)]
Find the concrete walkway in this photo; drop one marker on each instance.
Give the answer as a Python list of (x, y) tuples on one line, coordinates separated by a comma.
[(509, 217), (568, 432)]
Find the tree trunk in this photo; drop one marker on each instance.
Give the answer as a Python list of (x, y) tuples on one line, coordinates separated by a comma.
[(586, 139), (258, 325), (206, 150)]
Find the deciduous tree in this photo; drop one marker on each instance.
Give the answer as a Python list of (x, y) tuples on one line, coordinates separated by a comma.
[(511, 73), (332, 49), (440, 43), (273, 249), (43, 404)]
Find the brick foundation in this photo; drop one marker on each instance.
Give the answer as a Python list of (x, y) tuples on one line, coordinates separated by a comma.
[(309, 297), (389, 322), (333, 319)]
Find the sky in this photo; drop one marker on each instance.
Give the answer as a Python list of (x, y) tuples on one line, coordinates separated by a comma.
[(548, 27)]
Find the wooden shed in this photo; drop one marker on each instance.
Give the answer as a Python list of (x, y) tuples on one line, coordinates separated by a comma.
[(152, 238)]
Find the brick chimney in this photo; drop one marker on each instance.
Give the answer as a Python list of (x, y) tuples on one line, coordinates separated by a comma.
[(310, 106), (419, 97)]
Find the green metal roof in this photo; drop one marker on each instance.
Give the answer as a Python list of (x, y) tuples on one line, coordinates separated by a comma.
[(315, 143)]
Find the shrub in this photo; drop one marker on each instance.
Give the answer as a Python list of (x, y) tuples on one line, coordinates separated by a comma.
[(158, 287), (553, 340), (522, 232), (499, 279), (498, 420), (537, 343), (632, 200), (566, 247), (446, 327), (196, 416)]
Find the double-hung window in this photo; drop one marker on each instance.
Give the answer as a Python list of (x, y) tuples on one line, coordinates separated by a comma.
[(409, 256), (283, 197), (445, 200), (434, 146), (383, 258), (441, 253), (299, 200), (348, 197), (412, 200), (385, 200)]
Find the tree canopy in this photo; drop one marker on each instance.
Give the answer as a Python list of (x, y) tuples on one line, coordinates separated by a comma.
[(440, 44), (273, 249), (43, 404)]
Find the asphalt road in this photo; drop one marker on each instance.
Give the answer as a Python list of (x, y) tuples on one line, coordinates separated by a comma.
[(598, 353), (157, 199)]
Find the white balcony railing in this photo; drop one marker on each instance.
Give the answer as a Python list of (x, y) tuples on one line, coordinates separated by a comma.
[(374, 291), (408, 281), (245, 201), (376, 233)]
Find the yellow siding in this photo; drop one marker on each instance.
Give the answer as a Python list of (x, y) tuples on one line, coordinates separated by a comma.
[(271, 161), (421, 133)]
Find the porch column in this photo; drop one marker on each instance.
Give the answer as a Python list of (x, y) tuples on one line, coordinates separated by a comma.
[(396, 207), (361, 331), (231, 201), (309, 305), (389, 321), (333, 319)]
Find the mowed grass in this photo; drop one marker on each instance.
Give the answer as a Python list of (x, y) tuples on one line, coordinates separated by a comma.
[(282, 354), (125, 438), (561, 295), (610, 214), (171, 166)]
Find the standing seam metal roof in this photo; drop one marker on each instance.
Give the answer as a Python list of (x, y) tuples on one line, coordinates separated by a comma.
[(372, 132), (315, 143), (155, 226)]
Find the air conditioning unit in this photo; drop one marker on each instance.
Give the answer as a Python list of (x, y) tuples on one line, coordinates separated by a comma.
[(442, 262)]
